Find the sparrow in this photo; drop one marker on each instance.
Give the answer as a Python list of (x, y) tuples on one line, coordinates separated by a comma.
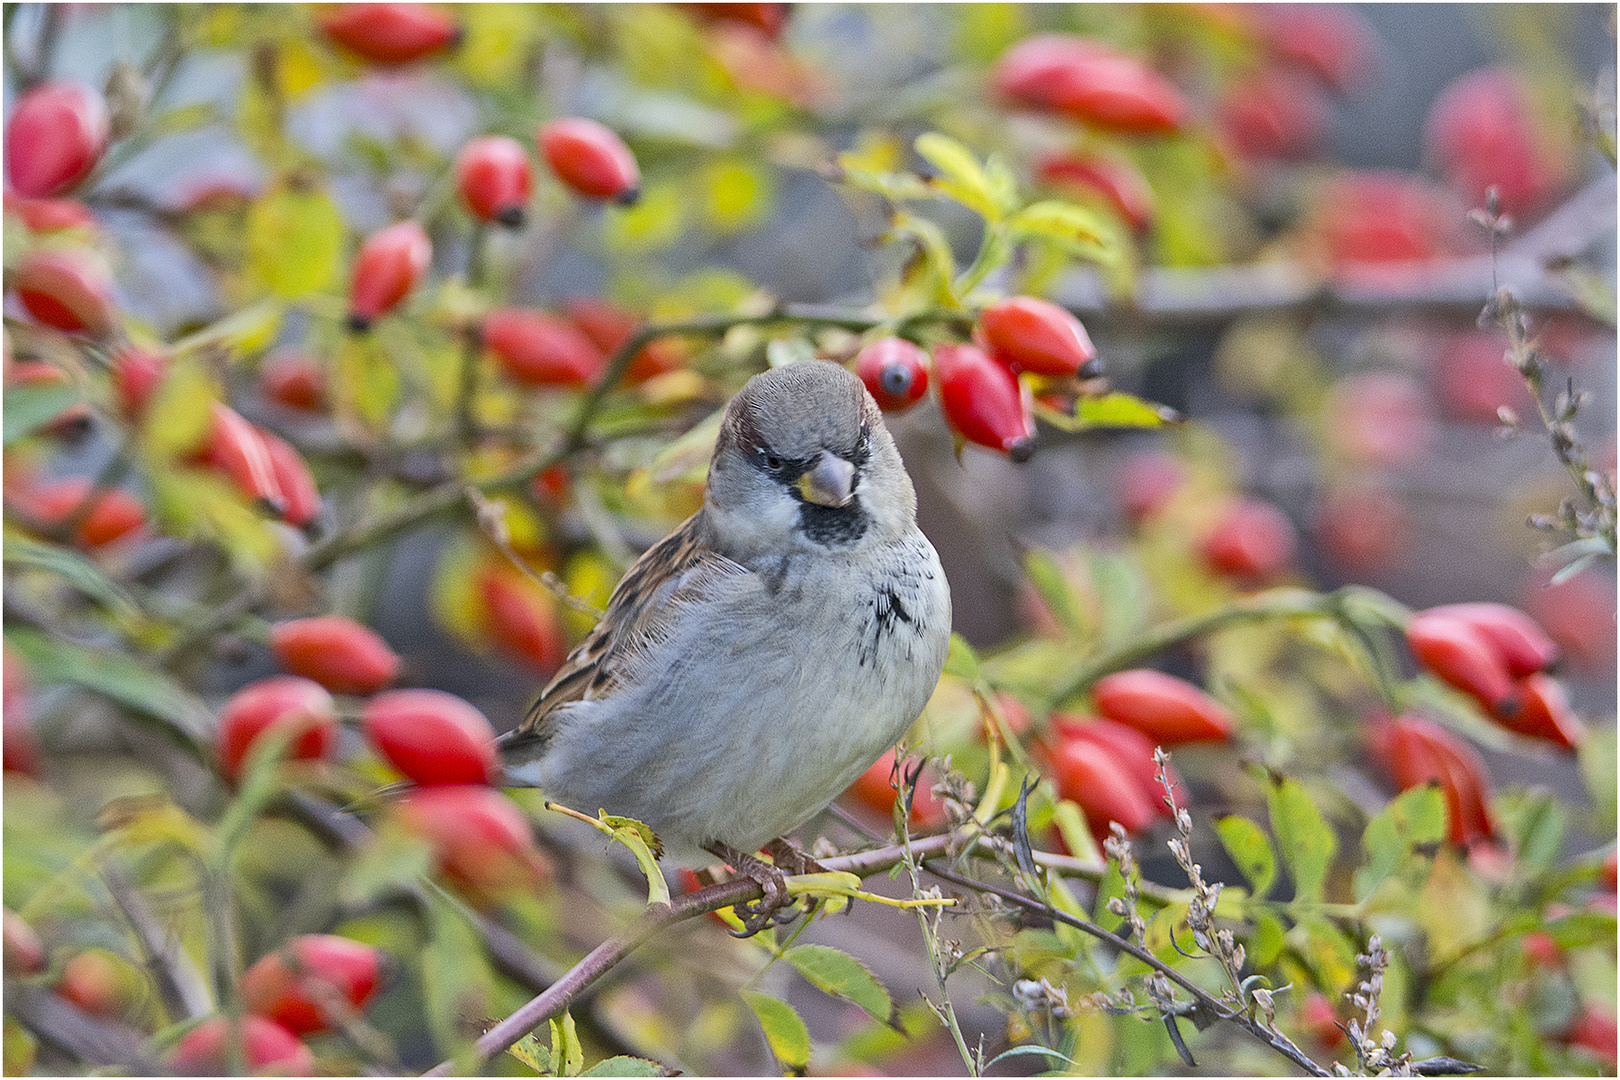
[(752, 664)]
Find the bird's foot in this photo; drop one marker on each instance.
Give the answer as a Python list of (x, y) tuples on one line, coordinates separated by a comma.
[(785, 852), (773, 908)]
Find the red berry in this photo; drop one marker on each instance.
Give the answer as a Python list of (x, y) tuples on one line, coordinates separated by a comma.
[(609, 327), (54, 138), (302, 500), (590, 159), (1105, 788), (1121, 185), (983, 401), (342, 655), (895, 373), (279, 702), (1252, 541), (1331, 41), (1147, 482), (1481, 134), (1089, 82), (1474, 381), (1579, 614), (24, 955), (767, 18), (1462, 657), (238, 449), (434, 738), (1127, 745), (1418, 751), (1362, 528), (267, 1048), (1520, 641), (1165, 709), (479, 837), (1274, 114), (390, 33), (521, 617), (116, 513), (1378, 418), (293, 378), (1321, 1020), (1030, 334), (1380, 217), (67, 289), (293, 985), (51, 215), (540, 349), (91, 981), (1544, 713), (136, 373), (873, 790), (1541, 950), (389, 265), (494, 179), (1594, 1031)]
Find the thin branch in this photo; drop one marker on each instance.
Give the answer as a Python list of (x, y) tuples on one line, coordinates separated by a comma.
[(179, 983)]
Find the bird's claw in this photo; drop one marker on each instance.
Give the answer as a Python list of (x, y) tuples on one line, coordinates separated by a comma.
[(775, 907)]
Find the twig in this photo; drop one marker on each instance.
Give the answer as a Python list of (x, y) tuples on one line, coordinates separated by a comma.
[(92, 1040), (178, 981)]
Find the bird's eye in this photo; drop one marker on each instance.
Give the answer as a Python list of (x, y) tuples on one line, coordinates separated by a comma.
[(767, 459)]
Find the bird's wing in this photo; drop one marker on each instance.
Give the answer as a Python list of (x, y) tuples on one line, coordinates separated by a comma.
[(673, 572)]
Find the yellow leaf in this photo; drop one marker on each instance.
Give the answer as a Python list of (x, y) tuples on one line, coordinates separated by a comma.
[(655, 222), (178, 415), (591, 578), (496, 40), (300, 68), (452, 596), (295, 240), (367, 383), (736, 194)]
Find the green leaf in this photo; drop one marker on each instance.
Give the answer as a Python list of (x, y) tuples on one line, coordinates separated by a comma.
[(137, 686), (1072, 229), (1123, 411), (180, 410), (1305, 839), (27, 408), (529, 1051), (455, 978), (789, 1039), (961, 660), (837, 973), (625, 1065), (247, 329), (565, 1046), (961, 176), (1049, 582), (295, 238), (1250, 848), (77, 570), (1581, 928), (1415, 816), (1267, 941)]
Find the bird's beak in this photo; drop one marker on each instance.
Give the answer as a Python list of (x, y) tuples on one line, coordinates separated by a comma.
[(829, 482)]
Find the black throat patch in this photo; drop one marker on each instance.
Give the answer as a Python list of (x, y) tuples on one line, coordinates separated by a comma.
[(833, 526)]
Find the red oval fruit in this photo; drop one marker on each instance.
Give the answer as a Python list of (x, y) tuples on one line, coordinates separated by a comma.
[(540, 349), (390, 33), (24, 955), (1120, 184), (1331, 41), (115, 515), (1579, 614), (983, 401), (1128, 746), (521, 617), (51, 215), (1094, 778), (590, 159), (1252, 541), (493, 178), (136, 373), (479, 837), (1463, 658), (434, 738), (1473, 381), (1544, 713), (1320, 1019), (54, 138), (389, 265), (91, 981), (1378, 217), (238, 449), (1517, 638), (342, 655), (1594, 1031), (66, 288), (1091, 82), (1418, 751), (1030, 334), (293, 985), (1541, 950), (895, 373), (1164, 708), (302, 499), (293, 378), (873, 790), (609, 327), (1146, 483), (1480, 134), (1378, 418), (267, 1048), (766, 17), (1274, 114), (1362, 528), (278, 702)]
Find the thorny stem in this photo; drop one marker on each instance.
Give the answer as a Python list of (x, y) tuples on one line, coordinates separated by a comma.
[(473, 346), (946, 1011)]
